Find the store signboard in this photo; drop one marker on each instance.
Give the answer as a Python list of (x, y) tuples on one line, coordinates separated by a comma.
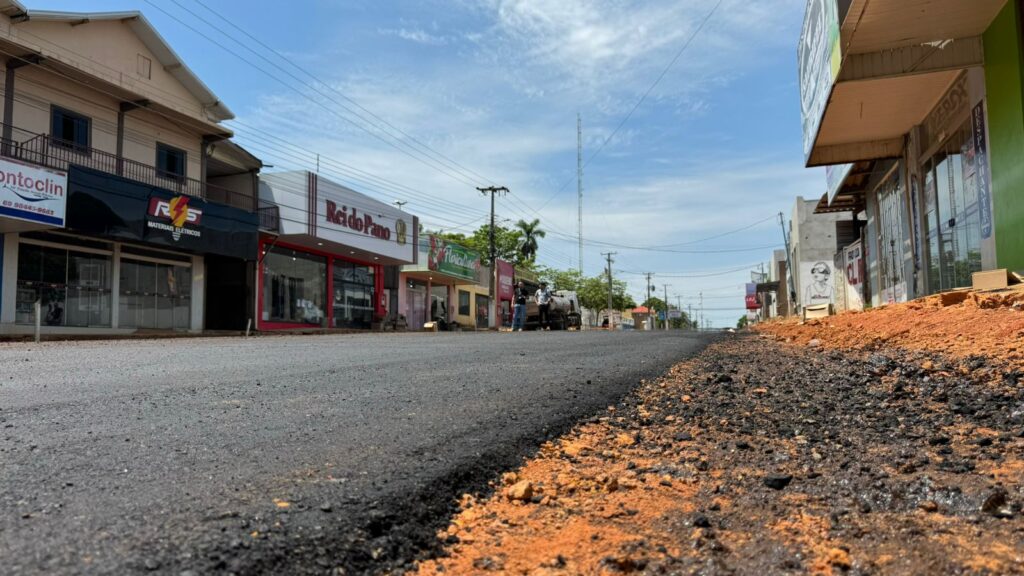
[(506, 278), (351, 219), (855, 271), (979, 135), (118, 208), (32, 193), (819, 57), (835, 175), (452, 259), (751, 299)]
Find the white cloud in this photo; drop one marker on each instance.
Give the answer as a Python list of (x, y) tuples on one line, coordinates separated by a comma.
[(417, 35)]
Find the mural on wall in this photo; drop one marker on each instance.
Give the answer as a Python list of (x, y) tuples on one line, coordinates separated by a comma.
[(816, 283)]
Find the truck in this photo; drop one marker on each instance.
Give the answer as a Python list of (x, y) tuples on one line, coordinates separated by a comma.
[(564, 312)]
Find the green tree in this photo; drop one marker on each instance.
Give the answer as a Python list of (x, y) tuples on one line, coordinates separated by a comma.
[(742, 322), (531, 233), (561, 279), (593, 294)]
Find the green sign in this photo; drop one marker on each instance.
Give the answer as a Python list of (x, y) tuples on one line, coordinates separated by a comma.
[(451, 259)]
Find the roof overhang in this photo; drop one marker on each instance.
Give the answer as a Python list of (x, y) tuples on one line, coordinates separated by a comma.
[(216, 110), (319, 245), (898, 58)]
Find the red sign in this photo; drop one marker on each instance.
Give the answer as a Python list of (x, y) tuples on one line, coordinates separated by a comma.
[(752, 299), (506, 273)]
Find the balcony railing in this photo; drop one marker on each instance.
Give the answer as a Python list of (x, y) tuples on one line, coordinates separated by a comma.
[(270, 217), (45, 150)]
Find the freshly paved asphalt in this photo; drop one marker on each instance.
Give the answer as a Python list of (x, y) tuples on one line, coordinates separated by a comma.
[(280, 454)]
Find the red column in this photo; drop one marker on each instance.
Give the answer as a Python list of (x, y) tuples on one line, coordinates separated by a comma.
[(330, 292)]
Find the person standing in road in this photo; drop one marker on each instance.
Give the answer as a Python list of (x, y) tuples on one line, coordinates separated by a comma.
[(543, 298), (519, 308)]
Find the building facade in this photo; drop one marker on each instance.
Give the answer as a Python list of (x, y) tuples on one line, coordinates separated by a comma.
[(916, 107), (814, 239), (327, 254), (126, 205), (445, 276)]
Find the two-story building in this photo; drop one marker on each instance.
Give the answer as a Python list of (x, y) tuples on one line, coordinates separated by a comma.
[(124, 204), (917, 109)]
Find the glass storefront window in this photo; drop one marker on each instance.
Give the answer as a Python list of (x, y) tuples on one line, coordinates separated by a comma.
[(464, 307), (416, 313), (952, 219), (155, 295), (482, 311), (353, 295), (294, 287), (74, 287), (439, 303)]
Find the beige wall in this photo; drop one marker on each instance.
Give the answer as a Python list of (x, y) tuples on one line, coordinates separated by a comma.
[(107, 50), (144, 129)]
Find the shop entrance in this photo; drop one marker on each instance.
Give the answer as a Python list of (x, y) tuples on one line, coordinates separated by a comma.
[(353, 295), (890, 208), (155, 295), (952, 219), (416, 305)]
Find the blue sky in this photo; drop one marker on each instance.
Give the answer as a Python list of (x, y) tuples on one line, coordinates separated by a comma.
[(495, 85)]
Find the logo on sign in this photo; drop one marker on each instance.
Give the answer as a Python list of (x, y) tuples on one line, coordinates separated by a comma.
[(177, 217), (401, 231)]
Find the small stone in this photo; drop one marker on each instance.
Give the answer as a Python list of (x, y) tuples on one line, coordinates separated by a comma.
[(815, 343), (929, 506), (928, 365), (326, 507), (509, 478), (625, 440), (151, 564), (522, 491), (994, 502), (701, 521), (839, 558), (777, 481), (683, 437)]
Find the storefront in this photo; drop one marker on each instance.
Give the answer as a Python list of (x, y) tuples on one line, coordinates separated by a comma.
[(429, 287), (132, 256), (324, 268)]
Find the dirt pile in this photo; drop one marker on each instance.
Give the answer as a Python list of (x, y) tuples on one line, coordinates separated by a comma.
[(958, 324), (760, 457)]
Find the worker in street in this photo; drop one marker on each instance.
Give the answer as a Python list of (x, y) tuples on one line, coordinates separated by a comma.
[(543, 298), (519, 307)]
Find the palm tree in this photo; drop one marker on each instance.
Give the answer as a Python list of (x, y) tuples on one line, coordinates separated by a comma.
[(531, 233)]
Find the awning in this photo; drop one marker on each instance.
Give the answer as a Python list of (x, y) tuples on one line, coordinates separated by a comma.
[(897, 59)]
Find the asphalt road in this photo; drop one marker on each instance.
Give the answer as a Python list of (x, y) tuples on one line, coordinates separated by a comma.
[(280, 454)]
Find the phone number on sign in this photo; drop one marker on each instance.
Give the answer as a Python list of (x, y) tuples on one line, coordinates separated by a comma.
[(27, 208)]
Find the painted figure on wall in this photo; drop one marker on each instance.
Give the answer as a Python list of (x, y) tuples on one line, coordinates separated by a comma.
[(818, 284)]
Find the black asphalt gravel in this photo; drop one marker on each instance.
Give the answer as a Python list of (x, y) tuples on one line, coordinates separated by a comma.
[(291, 454)]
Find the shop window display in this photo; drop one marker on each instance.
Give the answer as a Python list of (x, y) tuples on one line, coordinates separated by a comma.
[(294, 287), (353, 295), (73, 287), (952, 218), (155, 295)]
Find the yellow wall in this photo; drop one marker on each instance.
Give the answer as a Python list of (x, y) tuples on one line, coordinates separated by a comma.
[(467, 322)]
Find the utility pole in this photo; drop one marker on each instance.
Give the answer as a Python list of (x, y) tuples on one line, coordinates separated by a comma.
[(702, 311), (648, 302), (789, 267), (666, 305), (611, 321), (493, 191), (579, 184), (679, 305), (689, 314)]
